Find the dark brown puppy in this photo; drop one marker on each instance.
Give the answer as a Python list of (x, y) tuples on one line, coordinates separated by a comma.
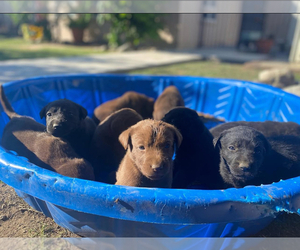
[(68, 120), (148, 160), (195, 161), (28, 138), (169, 99), (106, 151), (138, 102), (268, 128), (247, 157), (209, 118)]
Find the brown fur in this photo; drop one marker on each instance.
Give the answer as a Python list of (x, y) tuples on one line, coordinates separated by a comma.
[(169, 99), (28, 138), (138, 102), (209, 118), (106, 152), (151, 166)]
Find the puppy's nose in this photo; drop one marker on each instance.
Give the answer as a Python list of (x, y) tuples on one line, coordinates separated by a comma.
[(56, 125), (157, 167), (244, 166)]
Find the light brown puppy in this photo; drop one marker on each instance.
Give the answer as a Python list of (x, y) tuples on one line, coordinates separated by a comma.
[(170, 98), (106, 152), (138, 102), (29, 138), (148, 160)]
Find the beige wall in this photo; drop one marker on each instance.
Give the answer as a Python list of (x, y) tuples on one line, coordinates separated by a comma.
[(278, 26), (222, 32)]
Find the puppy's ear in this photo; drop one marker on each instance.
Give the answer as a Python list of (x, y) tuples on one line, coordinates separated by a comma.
[(125, 138), (178, 137), (43, 111), (216, 141), (267, 145), (82, 112)]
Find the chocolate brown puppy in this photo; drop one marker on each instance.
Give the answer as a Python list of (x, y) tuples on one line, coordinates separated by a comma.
[(247, 157), (195, 161), (68, 120), (106, 152), (148, 160), (28, 138), (267, 128), (136, 101), (169, 99)]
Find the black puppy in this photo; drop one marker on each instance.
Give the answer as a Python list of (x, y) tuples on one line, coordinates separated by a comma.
[(68, 120), (268, 128), (195, 162), (248, 158)]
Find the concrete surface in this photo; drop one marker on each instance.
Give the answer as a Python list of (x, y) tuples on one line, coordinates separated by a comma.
[(113, 62)]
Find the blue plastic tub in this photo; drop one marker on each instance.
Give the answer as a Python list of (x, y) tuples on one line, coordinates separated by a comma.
[(96, 209)]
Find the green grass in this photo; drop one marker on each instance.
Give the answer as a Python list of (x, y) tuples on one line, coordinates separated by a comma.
[(17, 48), (203, 68), (206, 69)]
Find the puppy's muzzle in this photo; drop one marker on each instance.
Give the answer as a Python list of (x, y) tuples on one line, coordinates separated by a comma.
[(245, 166), (158, 167)]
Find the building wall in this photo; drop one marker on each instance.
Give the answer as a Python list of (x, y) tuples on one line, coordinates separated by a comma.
[(278, 26), (223, 31)]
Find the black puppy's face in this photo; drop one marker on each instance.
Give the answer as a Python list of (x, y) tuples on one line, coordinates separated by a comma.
[(63, 117), (242, 152)]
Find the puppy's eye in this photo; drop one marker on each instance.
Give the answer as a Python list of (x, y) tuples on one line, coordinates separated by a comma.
[(141, 147), (257, 150), (49, 114), (231, 148), (167, 145)]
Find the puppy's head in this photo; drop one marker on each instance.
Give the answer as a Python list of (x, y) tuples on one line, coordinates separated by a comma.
[(148, 107), (242, 151), (63, 117), (151, 146), (187, 121)]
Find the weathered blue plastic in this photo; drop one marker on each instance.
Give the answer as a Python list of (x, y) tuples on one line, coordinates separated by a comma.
[(96, 209)]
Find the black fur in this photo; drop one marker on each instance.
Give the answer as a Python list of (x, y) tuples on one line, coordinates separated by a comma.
[(267, 128), (247, 157), (195, 162), (68, 120)]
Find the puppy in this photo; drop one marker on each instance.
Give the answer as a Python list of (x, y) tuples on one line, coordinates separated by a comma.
[(247, 157), (28, 138), (138, 102), (195, 160), (169, 98), (148, 160), (68, 120), (106, 152), (267, 128), (209, 118)]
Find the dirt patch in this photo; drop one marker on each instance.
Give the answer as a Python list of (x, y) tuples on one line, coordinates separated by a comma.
[(18, 219)]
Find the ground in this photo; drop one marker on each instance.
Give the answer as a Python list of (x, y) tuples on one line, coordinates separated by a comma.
[(17, 48), (248, 71), (18, 219)]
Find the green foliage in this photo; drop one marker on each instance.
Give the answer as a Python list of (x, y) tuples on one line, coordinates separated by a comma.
[(131, 28), (34, 19), (80, 21), (19, 19)]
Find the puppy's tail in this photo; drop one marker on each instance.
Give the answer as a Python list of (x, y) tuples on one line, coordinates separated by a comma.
[(6, 105)]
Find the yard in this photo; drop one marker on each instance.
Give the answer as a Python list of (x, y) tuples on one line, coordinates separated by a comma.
[(17, 219), (208, 69), (17, 48)]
